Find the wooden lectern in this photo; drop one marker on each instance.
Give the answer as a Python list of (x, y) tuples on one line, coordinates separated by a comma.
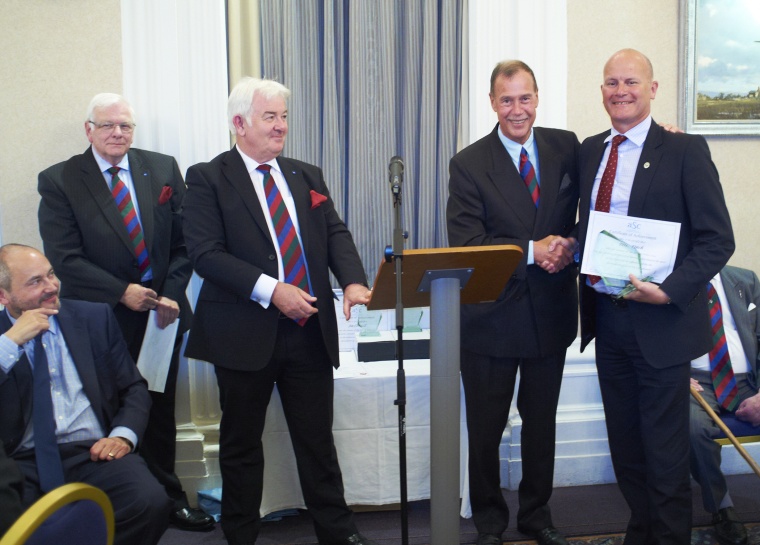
[(444, 278)]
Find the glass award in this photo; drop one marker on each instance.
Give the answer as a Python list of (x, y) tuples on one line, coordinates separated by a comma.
[(615, 259), (369, 322), (412, 318)]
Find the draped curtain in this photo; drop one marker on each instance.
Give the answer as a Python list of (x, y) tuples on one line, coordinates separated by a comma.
[(370, 80)]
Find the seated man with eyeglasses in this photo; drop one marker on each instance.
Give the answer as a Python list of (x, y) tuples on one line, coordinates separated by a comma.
[(110, 223)]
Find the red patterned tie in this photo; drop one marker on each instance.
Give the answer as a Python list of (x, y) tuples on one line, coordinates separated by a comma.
[(528, 174), (721, 371), (123, 200), (293, 262), (604, 195)]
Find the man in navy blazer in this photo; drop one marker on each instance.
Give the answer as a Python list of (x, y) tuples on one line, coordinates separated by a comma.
[(645, 342), (255, 326), (100, 401), (738, 290), (534, 320), (85, 238)]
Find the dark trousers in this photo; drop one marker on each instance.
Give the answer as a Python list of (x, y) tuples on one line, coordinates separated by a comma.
[(141, 507), (159, 444), (489, 384), (647, 417), (300, 367)]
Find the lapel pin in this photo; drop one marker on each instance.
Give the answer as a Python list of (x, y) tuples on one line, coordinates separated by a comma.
[(646, 165)]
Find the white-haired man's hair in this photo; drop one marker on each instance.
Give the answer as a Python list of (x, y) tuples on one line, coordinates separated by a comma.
[(106, 100), (240, 102)]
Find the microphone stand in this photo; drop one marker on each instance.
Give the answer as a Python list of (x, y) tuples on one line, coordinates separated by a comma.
[(397, 255)]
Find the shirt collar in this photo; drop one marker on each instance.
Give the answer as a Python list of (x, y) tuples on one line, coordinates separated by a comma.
[(251, 164), (105, 165), (513, 148), (637, 134)]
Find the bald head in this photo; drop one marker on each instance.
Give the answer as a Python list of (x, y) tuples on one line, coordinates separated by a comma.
[(632, 55)]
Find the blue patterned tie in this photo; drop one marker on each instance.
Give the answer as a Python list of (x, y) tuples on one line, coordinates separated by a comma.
[(49, 466), (293, 261), (528, 174)]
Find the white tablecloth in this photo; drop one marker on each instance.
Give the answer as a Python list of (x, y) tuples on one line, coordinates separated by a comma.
[(366, 437)]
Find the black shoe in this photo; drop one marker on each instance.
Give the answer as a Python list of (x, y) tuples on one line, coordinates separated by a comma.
[(357, 539), (728, 528), (547, 536), (191, 519), (488, 539)]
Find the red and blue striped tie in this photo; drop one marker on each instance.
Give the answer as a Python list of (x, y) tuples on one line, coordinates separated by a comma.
[(528, 174), (293, 262), (123, 200), (720, 363)]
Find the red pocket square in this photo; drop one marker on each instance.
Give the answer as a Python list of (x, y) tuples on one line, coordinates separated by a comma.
[(166, 194), (316, 199)]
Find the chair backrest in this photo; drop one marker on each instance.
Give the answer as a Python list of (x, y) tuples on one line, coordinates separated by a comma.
[(72, 514)]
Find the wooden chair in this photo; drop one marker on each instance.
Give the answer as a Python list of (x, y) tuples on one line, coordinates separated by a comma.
[(72, 514), (734, 431)]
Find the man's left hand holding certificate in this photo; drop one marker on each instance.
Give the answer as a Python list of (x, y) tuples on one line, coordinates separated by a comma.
[(622, 249)]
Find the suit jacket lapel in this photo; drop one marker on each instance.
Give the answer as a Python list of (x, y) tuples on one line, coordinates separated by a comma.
[(510, 185), (141, 178), (645, 170), (95, 183), (592, 159), (233, 169)]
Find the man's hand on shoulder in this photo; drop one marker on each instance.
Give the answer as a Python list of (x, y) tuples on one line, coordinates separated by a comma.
[(293, 302), (30, 324), (354, 294), (749, 410), (554, 253), (139, 298)]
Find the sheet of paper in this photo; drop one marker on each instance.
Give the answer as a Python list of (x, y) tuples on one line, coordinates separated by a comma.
[(655, 240), (156, 353)]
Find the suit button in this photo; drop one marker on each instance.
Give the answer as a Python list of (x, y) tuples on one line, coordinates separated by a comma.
[(272, 257)]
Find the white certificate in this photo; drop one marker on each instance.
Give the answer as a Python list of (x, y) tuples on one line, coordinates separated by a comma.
[(656, 242), (156, 352)]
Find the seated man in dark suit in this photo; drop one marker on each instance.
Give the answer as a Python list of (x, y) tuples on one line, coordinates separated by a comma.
[(10, 491), (733, 362), (73, 406)]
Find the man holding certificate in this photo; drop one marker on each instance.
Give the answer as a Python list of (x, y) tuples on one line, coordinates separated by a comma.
[(651, 205)]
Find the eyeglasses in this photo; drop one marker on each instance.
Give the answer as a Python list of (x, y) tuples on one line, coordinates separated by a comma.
[(126, 128)]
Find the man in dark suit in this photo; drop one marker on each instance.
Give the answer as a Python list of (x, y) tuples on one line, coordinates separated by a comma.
[(98, 405), (11, 482), (644, 342), (265, 313), (738, 291), (110, 223), (535, 319)]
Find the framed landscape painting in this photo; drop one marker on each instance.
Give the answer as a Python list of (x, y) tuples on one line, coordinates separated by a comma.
[(720, 66)]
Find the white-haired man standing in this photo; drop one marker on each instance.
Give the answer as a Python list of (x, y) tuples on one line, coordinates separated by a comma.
[(110, 223), (262, 231)]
